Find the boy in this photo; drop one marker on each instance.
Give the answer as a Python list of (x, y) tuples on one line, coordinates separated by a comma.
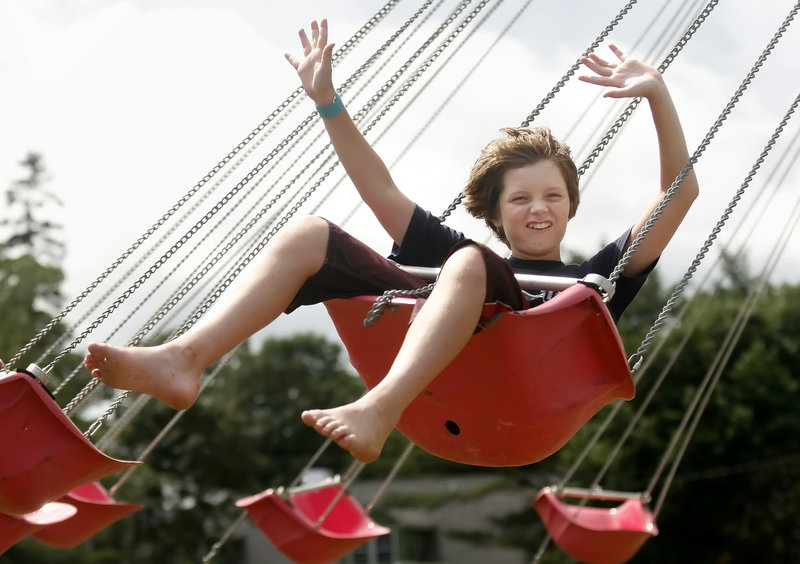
[(524, 186)]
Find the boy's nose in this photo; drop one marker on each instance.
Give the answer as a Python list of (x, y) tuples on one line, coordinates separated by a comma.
[(538, 205)]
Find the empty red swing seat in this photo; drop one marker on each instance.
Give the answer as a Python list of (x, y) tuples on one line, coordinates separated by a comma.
[(95, 511), (291, 525), (597, 535), (43, 455), (14, 528), (517, 392)]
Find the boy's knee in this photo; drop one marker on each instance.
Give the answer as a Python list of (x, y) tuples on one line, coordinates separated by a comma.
[(304, 239), (313, 224), (310, 230), (467, 261)]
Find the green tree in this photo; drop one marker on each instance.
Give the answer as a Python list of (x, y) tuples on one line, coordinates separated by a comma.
[(31, 231), (30, 278)]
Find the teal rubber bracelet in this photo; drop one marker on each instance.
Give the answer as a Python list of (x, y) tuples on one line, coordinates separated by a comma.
[(333, 109)]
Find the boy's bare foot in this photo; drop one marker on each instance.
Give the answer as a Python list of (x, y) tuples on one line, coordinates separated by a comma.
[(357, 427), (164, 372)]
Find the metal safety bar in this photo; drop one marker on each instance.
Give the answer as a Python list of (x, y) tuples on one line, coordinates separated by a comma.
[(599, 493), (532, 281)]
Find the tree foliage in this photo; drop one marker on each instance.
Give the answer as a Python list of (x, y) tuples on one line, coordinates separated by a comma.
[(29, 230), (30, 279)]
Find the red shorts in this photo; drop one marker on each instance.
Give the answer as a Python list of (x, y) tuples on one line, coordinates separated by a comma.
[(352, 268)]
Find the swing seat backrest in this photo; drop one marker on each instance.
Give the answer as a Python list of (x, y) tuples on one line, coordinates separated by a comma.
[(291, 525), (95, 511), (14, 528), (517, 392), (598, 535), (44, 455)]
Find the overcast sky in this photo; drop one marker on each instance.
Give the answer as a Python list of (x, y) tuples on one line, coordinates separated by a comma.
[(131, 103)]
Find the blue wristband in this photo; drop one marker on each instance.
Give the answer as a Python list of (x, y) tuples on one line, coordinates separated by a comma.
[(333, 109)]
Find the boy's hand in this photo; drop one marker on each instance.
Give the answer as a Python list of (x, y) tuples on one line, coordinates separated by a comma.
[(315, 70), (629, 79)]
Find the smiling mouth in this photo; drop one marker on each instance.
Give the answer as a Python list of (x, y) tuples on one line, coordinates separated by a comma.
[(541, 225)]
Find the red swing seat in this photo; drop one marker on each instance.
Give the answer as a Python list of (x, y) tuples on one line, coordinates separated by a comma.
[(517, 392), (598, 535), (291, 525), (14, 528), (44, 455), (95, 511)]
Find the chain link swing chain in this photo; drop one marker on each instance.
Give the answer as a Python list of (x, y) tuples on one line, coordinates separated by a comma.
[(406, 86), (204, 180), (194, 229), (659, 322), (375, 98), (94, 383), (283, 110), (200, 311), (170, 304)]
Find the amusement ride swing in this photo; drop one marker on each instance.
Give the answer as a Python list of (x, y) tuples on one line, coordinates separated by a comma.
[(579, 305)]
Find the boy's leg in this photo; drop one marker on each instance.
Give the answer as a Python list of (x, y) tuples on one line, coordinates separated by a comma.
[(171, 372), (441, 329)]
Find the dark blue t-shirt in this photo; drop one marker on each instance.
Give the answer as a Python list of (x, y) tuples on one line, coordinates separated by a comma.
[(427, 242)]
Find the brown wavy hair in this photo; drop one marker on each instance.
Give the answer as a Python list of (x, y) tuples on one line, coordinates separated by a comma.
[(519, 147)]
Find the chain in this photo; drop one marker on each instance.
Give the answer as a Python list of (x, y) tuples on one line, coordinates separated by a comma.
[(715, 231), (617, 272), (620, 121), (384, 301), (176, 297), (373, 100), (346, 47)]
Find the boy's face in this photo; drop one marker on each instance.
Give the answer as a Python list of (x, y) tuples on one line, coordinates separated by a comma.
[(533, 210)]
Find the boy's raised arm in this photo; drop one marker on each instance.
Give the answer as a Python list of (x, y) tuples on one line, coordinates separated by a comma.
[(363, 165), (632, 78)]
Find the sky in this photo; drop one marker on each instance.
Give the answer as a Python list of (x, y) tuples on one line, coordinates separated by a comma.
[(131, 103)]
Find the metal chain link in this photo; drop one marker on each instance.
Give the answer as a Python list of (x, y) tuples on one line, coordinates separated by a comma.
[(346, 47), (373, 100), (550, 95), (620, 121), (92, 385), (95, 382), (679, 289), (617, 272), (178, 296), (194, 229), (384, 301)]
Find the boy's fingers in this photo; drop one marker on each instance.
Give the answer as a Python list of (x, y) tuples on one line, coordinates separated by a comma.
[(304, 42), (618, 52), (598, 80), (596, 67), (323, 34), (327, 54)]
